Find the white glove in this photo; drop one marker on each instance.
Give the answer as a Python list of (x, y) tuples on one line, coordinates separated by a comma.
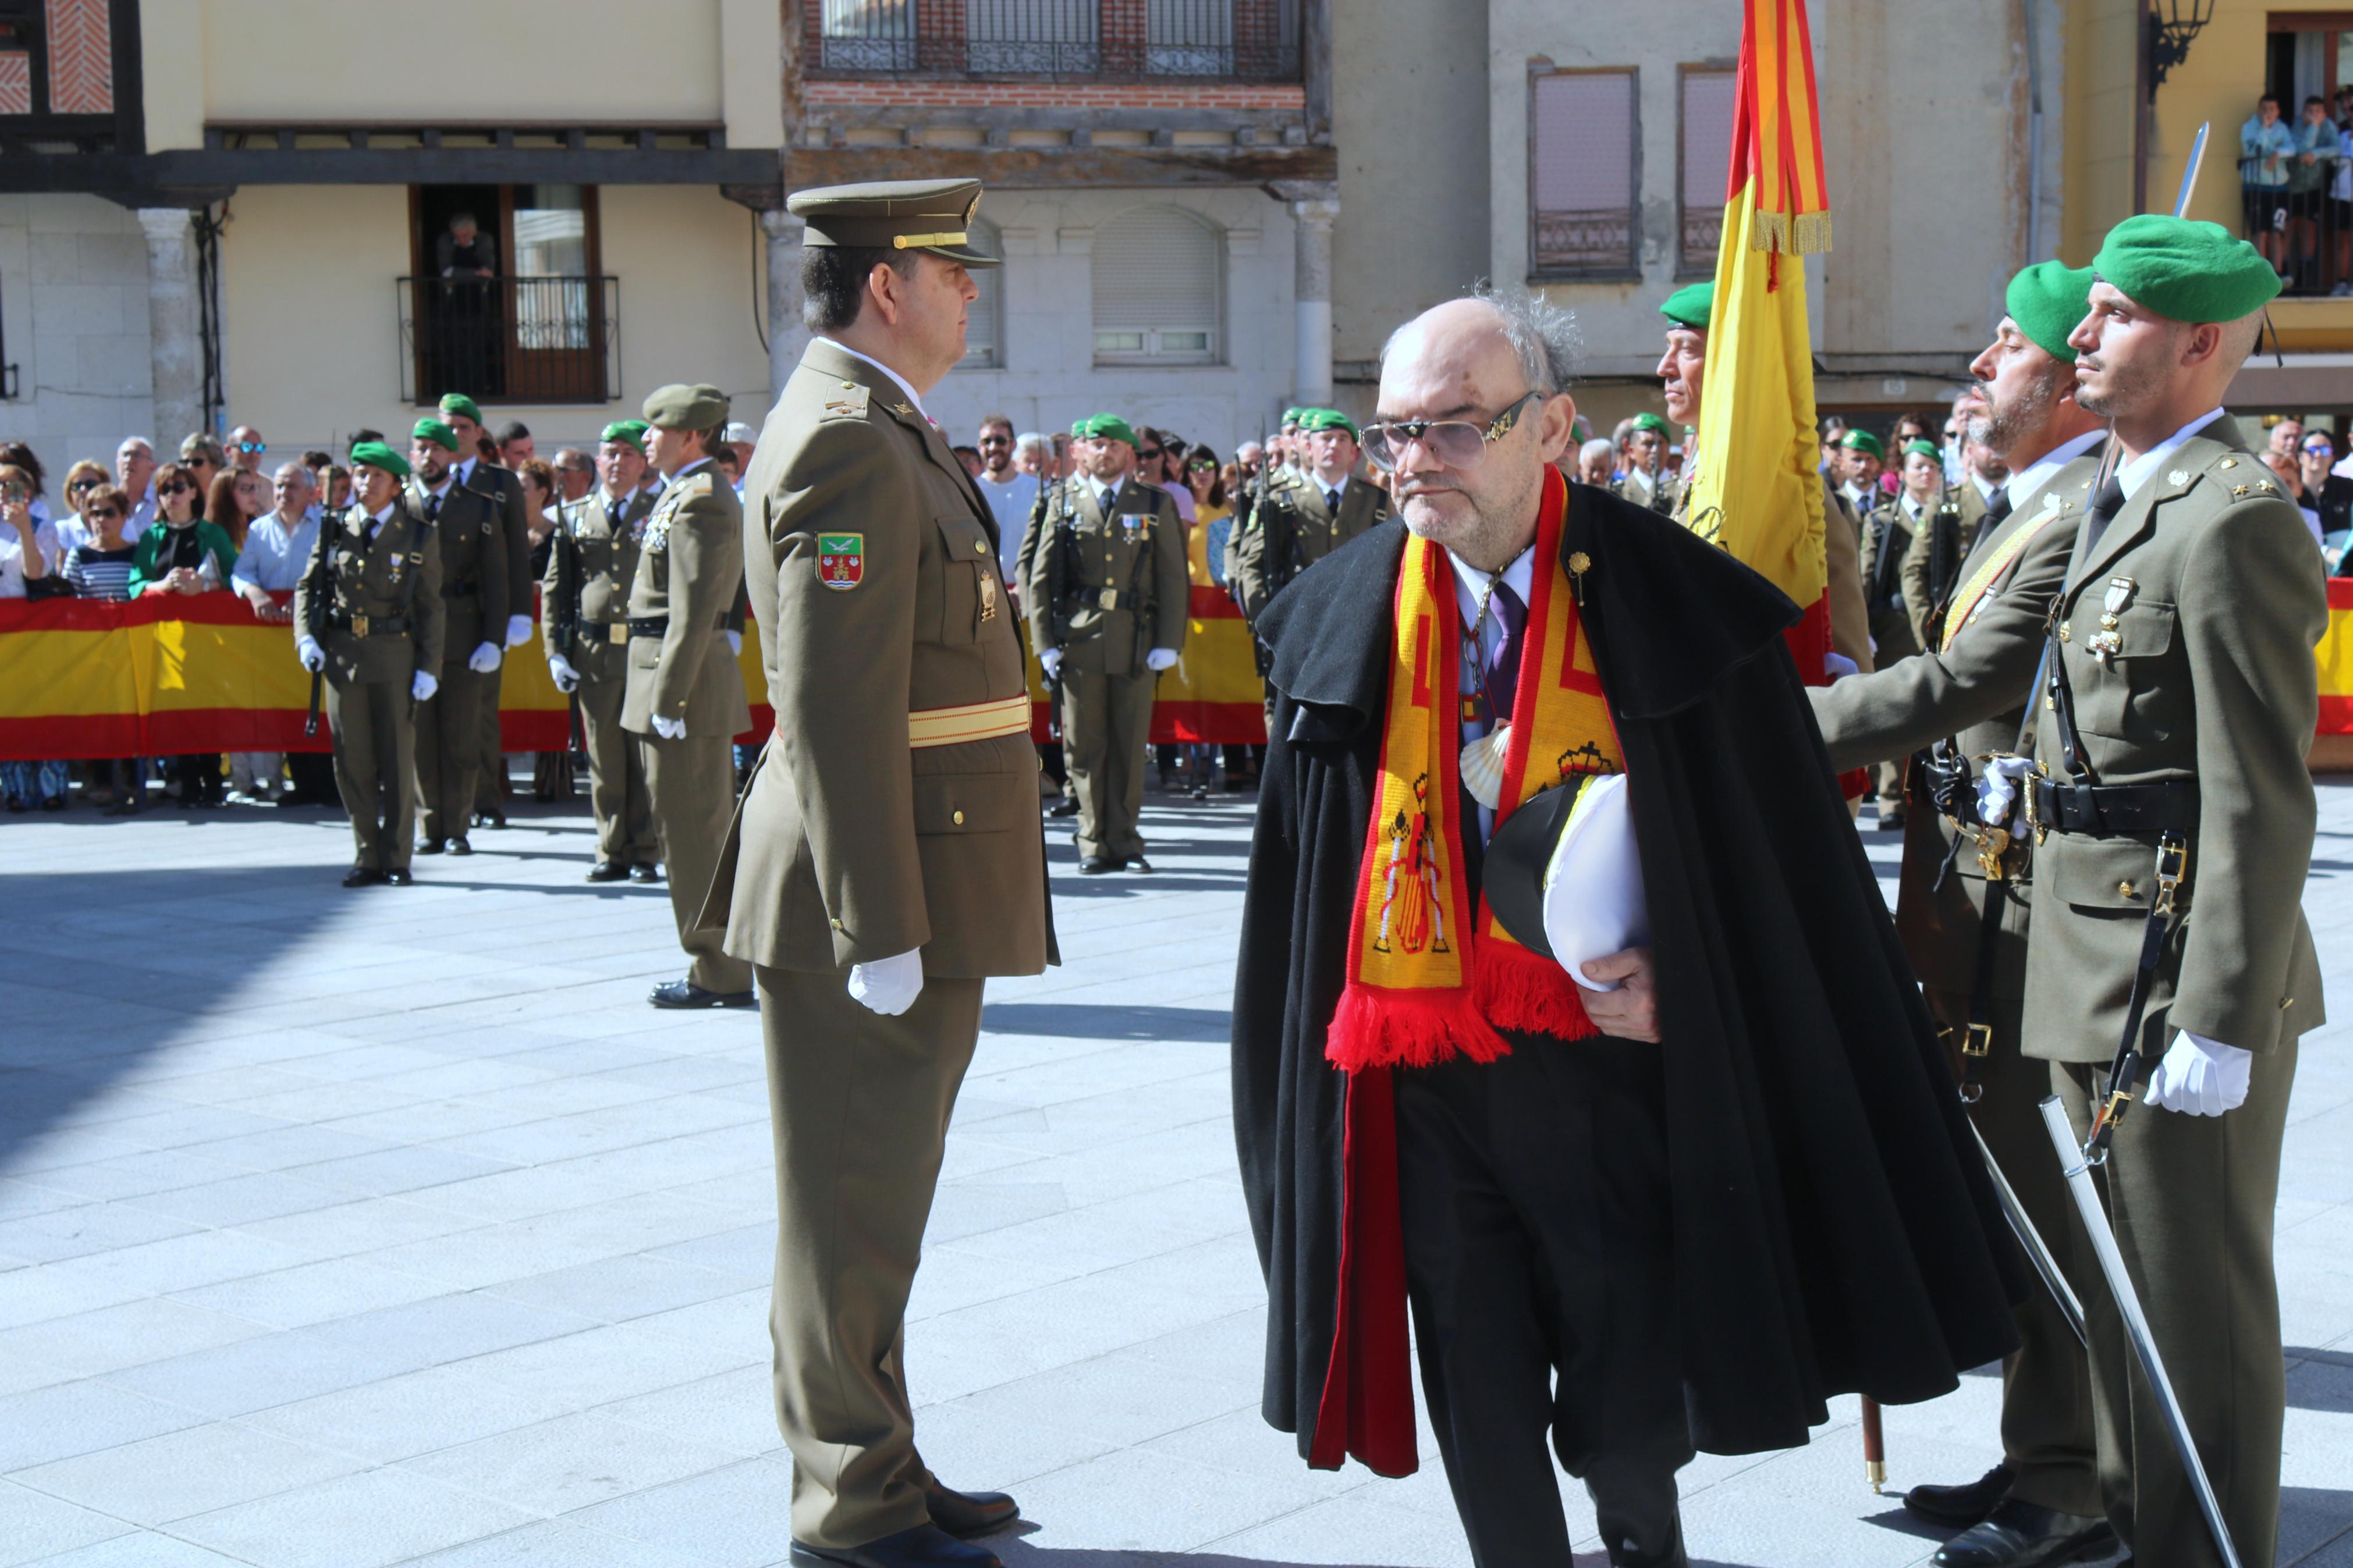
[(1838, 667), (313, 656), (735, 643), (567, 679), (1049, 660), (518, 630), (1998, 788), (1160, 659), (888, 986), (424, 687), (485, 658), (670, 729), (2199, 1077)]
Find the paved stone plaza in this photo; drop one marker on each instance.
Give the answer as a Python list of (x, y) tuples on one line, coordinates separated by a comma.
[(340, 1229)]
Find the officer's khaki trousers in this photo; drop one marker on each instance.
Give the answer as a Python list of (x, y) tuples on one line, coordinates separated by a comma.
[(860, 1104), (449, 759), (2191, 1199), (489, 755), (616, 775), (1106, 725), (374, 727), (2046, 1389), (691, 784)]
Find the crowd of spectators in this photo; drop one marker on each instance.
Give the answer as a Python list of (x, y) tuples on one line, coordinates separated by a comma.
[(2295, 188)]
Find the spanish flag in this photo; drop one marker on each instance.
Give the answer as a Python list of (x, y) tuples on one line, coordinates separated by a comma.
[(1756, 490)]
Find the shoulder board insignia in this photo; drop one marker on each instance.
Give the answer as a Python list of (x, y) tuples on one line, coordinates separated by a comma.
[(2178, 476), (2228, 463), (2267, 487), (850, 403), (906, 409)]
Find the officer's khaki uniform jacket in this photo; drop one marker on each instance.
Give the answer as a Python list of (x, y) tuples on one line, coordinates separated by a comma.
[(505, 492), (1661, 493), (1296, 528), (1973, 689), (474, 560), (1968, 508), (1123, 589), (2213, 682), (1886, 535), (850, 843), (589, 571), (401, 567), (689, 567)]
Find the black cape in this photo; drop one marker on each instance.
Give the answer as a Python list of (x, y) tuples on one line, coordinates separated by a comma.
[(1834, 1230)]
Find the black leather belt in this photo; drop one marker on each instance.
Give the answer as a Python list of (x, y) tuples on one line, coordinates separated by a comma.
[(658, 626), (368, 625), (2107, 810)]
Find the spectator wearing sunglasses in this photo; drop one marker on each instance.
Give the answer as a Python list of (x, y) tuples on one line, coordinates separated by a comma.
[(246, 447), (2331, 494), (183, 553), (205, 456), (84, 479), (97, 566), (1010, 491), (28, 559)]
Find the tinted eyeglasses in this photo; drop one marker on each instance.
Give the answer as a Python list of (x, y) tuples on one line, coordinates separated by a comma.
[(81, 485), (100, 513), (1148, 453), (177, 487), (253, 446), (1457, 442), (996, 440)]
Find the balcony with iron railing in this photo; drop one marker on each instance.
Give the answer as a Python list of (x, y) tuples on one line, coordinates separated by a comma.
[(1088, 40), (509, 340)]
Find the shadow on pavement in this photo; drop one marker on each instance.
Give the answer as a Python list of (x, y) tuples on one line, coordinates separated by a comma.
[(1095, 1021), (2320, 1380)]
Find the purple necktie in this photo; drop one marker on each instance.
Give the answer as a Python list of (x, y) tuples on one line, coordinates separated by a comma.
[(1503, 666)]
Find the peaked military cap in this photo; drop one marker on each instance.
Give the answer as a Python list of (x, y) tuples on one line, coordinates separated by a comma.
[(2186, 268), (679, 407), (895, 215), (1692, 306), (2049, 300)]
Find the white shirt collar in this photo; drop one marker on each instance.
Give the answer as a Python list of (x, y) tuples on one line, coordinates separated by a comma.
[(448, 480), (1984, 485), (2028, 482), (885, 369), (380, 518), (2141, 469), (698, 462), (464, 471)]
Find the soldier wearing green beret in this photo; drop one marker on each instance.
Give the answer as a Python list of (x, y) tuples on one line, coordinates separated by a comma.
[(1963, 904), (683, 692), (505, 490), (1108, 607), (369, 608), (1646, 481), (585, 631), (474, 601), (1888, 531), (2170, 799), (888, 855)]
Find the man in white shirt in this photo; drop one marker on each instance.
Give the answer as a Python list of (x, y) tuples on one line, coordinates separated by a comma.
[(134, 469), (1011, 493)]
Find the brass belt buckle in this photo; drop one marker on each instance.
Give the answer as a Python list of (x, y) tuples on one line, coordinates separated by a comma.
[(618, 632), (2172, 863), (1108, 599), (359, 626), (1977, 1041), (1994, 843)]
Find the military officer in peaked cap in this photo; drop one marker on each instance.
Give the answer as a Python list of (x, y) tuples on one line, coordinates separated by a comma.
[(370, 612), (888, 854), (505, 490), (475, 593), (2169, 798)]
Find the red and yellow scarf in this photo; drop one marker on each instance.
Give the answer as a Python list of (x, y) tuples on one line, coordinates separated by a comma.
[(1429, 977)]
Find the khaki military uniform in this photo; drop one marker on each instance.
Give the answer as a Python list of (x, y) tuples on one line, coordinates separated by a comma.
[(1107, 588), (1661, 493), (585, 622), (382, 623), (689, 568), (893, 809), (1971, 687), (1886, 535), (1954, 522), (474, 600), (2214, 589), (1298, 527), (505, 491)]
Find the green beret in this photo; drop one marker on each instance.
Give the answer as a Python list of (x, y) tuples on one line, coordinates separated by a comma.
[(679, 407), (1326, 419), (1651, 422), (1104, 427), (2049, 300), (1863, 441), (458, 402), (1691, 306), (435, 431), (1916, 448), (2187, 269), (1291, 416), (628, 432), (376, 455)]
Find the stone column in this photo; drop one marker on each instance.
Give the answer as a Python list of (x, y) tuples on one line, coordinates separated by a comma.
[(787, 336), (173, 326), (1311, 294)]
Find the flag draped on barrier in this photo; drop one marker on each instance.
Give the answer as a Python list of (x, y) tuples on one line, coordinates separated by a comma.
[(1757, 489)]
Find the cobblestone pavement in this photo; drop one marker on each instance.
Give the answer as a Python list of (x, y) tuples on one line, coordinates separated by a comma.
[(343, 1229)]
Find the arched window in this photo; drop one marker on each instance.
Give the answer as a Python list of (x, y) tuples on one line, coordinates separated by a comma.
[(983, 341), (1160, 289)]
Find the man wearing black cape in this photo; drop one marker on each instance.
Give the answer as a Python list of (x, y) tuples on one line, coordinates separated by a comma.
[(1677, 1203)]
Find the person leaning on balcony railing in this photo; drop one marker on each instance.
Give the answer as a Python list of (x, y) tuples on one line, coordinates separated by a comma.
[(2307, 191), (2266, 146)]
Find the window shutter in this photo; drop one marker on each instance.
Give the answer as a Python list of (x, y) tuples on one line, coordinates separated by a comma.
[(1581, 173), (1708, 100), (1158, 284), (982, 343)]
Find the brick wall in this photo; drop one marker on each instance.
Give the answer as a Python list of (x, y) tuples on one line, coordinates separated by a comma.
[(1050, 95)]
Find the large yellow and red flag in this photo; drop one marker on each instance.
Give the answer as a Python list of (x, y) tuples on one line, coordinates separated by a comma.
[(1756, 489)]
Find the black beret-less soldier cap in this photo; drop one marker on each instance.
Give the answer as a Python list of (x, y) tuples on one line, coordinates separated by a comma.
[(895, 215)]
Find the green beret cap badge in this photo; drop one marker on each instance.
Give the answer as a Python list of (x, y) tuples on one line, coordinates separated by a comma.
[(1863, 441)]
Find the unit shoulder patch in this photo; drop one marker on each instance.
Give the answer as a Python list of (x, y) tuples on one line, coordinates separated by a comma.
[(841, 560)]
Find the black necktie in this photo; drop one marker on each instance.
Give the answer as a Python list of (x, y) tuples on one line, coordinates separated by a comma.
[(433, 506), (1332, 499), (1503, 667), (1997, 509), (2105, 507)]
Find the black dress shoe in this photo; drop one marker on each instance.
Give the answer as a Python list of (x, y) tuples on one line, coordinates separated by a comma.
[(490, 819), (399, 877), (1096, 865), (925, 1546), (1961, 1506), (967, 1514), (432, 845), (2019, 1534), (1063, 808), (1136, 863), (645, 871), (459, 846), (607, 871), (362, 877), (687, 994)]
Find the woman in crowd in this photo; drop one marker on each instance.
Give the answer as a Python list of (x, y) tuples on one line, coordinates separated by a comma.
[(184, 553), (1205, 543), (237, 496), (29, 562), (99, 567), (82, 481)]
